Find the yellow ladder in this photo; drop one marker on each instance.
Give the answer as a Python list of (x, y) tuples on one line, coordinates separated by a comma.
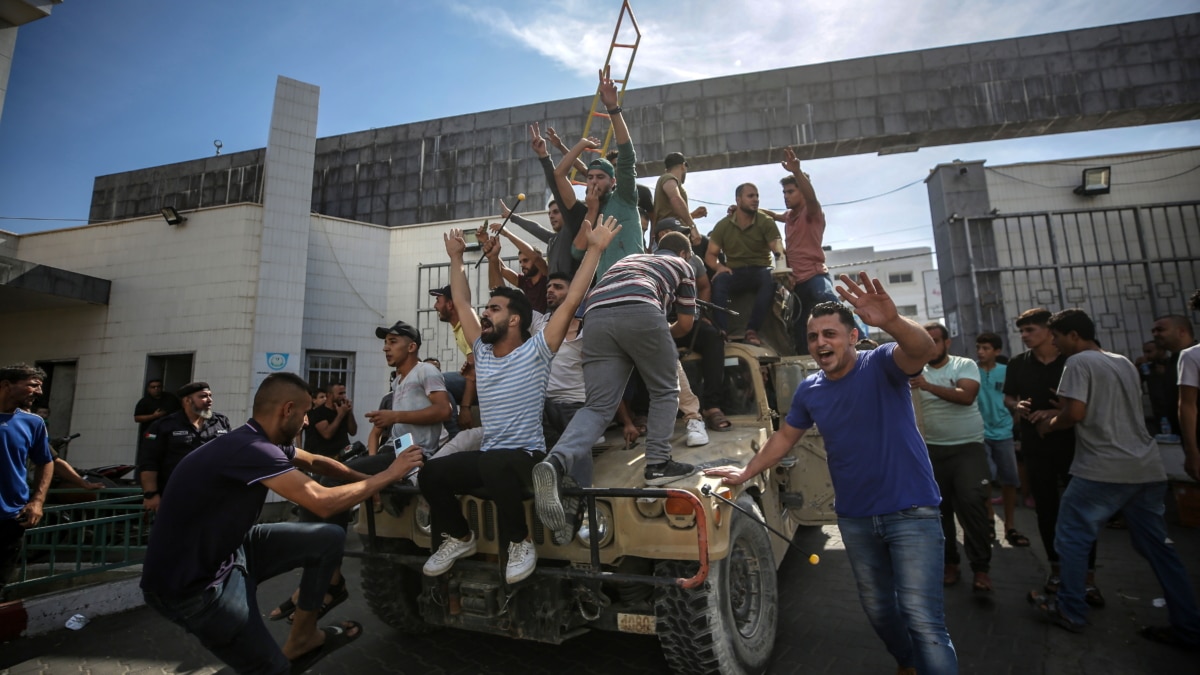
[(626, 10)]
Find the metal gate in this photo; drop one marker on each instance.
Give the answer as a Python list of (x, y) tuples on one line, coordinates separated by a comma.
[(1123, 266), (441, 345)]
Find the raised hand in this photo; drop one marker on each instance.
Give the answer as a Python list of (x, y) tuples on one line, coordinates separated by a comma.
[(491, 247), (455, 244), (504, 210), (608, 89), (700, 212), (554, 139), (869, 300), (536, 141), (600, 237), (790, 162), (590, 143)]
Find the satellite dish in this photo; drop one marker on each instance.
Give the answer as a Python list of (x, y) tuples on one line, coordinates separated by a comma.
[(218, 145)]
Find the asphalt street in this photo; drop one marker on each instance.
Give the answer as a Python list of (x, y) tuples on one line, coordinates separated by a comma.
[(822, 628)]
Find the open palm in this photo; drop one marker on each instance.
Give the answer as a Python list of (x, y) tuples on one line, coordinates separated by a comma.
[(869, 300)]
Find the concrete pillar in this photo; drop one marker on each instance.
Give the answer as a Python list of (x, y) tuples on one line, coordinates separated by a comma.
[(958, 197), (287, 197), (8, 44)]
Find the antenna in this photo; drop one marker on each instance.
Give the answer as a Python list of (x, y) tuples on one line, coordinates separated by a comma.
[(218, 145)]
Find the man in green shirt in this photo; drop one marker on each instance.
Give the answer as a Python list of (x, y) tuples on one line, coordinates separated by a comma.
[(748, 237)]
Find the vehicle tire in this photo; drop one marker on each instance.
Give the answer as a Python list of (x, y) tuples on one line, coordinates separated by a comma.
[(727, 625), (391, 590)]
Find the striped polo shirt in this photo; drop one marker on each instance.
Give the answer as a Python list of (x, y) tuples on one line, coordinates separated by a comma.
[(662, 279)]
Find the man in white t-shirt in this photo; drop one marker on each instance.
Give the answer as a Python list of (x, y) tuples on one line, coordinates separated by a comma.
[(1189, 385), (1117, 468), (953, 429), (511, 369)]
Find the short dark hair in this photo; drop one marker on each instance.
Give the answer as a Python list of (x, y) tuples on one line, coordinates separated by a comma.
[(742, 187), (990, 339), (789, 180), (1073, 321), (153, 380), (560, 275), (518, 303), (829, 307), (1038, 316), (675, 242), (1180, 321), (552, 202), (19, 372), (328, 388), (866, 345), (1194, 301), (611, 156), (935, 325), (276, 388)]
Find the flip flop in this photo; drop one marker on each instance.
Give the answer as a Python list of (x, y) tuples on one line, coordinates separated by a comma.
[(337, 595), (336, 637), (715, 420)]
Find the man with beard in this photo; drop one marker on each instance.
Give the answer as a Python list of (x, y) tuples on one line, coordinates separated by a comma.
[(23, 437), (670, 199), (207, 555), (170, 439), (616, 185), (531, 280), (558, 249), (512, 371), (1172, 333), (331, 425), (887, 499), (747, 237), (1117, 469), (948, 387)]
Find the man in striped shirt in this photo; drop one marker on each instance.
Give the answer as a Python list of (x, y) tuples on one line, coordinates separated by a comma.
[(625, 326), (511, 368)]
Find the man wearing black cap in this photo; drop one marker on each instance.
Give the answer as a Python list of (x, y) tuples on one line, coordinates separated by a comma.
[(670, 199), (173, 437), (461, 385), (419, 402)]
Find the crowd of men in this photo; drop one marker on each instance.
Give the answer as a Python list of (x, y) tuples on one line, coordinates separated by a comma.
[(602, 313)]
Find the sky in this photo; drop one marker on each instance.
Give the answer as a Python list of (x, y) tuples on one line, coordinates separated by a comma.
[(105, 86)]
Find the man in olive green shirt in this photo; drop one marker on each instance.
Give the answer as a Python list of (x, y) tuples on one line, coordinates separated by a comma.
[(748, 238), (670, 199)]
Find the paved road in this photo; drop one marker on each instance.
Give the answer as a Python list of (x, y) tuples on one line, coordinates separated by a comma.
[(822, 629)]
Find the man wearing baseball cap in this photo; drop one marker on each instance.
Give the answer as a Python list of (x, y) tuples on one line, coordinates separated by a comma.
[(670, 199), (461, 385)]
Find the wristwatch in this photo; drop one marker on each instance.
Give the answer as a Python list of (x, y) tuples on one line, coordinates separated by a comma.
[(150, 495)]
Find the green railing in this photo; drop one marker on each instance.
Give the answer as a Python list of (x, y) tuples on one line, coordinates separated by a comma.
[(106, 532)]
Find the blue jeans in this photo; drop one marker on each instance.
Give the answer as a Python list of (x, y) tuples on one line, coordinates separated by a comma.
[(1085, 507), (810, 293), (225, 616), (757, 279), (897, 563)]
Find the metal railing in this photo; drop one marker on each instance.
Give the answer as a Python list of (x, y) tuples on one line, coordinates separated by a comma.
[(84, 538)]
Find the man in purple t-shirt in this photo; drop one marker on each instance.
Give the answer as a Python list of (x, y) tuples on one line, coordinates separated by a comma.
[(887, 500), (207, 555)]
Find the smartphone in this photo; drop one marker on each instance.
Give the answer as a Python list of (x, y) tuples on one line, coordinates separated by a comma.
[(402, 444)]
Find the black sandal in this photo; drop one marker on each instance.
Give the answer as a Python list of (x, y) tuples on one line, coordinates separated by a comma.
[(337, 595), (286, 609), (1015, 538)]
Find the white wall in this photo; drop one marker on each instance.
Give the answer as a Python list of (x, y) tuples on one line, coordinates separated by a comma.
[(879, 264), (174, 289)]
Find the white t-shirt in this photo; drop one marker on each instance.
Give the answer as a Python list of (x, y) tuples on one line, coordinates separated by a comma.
[(1189, 367), (411, 392)]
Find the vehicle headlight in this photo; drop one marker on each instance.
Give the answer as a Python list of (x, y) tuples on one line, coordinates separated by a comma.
[(604, 519)]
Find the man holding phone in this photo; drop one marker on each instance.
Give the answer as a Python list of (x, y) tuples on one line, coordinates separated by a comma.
[(419, 402)]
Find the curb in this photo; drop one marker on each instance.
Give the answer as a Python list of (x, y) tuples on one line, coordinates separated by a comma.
[(44, 613)]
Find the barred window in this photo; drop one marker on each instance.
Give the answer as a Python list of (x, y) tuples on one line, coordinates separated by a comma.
[(326, 367), (900, 277)]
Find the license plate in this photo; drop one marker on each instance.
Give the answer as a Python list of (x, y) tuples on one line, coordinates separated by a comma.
[(635, 623)]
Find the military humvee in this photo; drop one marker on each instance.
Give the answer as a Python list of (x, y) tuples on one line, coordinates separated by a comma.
[(676, 561)]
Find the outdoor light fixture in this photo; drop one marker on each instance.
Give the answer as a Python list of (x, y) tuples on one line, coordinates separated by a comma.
[(1096, 181), (172, 216)]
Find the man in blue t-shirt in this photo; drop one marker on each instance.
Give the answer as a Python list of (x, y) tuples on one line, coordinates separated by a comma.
[(207, 555), (887, 500), (23, 437), (511, 369)]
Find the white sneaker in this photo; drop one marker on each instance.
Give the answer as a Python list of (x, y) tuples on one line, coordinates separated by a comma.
[(522, 558), (696, 433), (451, 549)]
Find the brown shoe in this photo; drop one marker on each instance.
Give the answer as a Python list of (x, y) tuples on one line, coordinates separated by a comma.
[(950, 576), (983, 583)]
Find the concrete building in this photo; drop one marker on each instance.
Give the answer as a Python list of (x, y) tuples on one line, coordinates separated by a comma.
[(905, 271), (1118, 236), (13, 14)]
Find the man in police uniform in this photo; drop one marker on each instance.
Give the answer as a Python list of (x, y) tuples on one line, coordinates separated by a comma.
[(171, 438)]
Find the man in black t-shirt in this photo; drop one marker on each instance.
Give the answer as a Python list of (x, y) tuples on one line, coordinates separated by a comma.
[(155, 405), (1030, 385), (207, 554), (330, 426), (173, 437)]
